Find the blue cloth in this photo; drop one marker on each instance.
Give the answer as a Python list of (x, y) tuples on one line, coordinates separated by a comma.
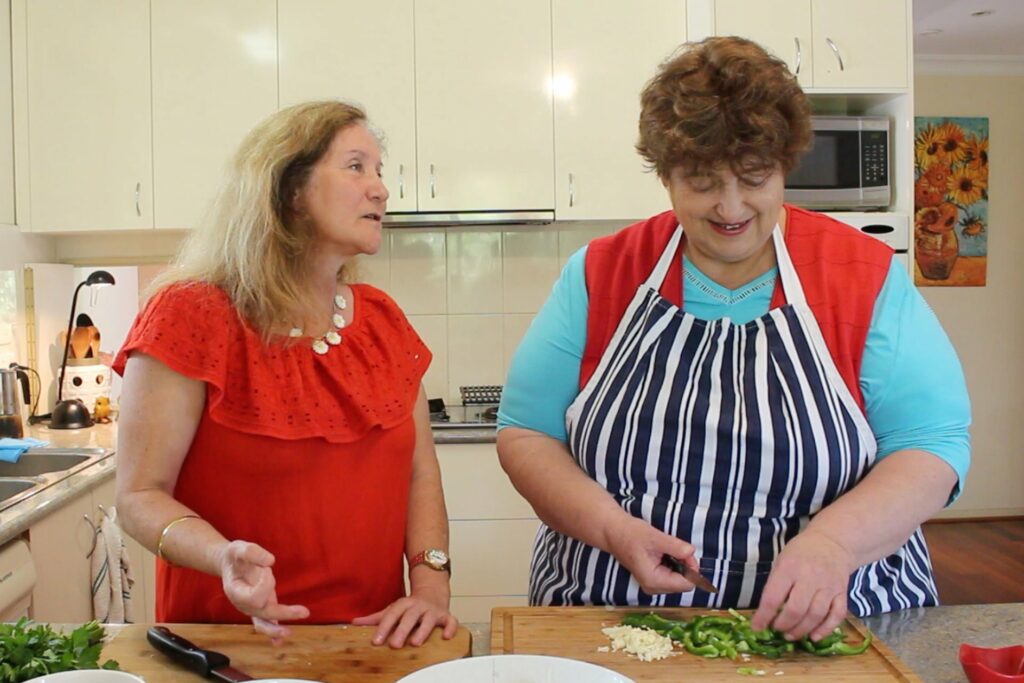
[(11, 449), (914, 390)]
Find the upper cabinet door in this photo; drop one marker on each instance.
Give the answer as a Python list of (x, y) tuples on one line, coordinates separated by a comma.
[(860, 44), (214, 78), (90, 139), (783, 27), (359, 52), (596, 88), (483, 100)]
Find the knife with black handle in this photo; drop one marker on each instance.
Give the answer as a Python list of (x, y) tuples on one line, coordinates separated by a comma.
[(689, 573), (204, 662)]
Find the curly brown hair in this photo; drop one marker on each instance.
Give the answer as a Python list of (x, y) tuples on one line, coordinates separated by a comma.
[(723, 100)]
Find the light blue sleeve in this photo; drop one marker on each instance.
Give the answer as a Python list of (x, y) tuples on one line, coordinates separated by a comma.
[(543, 378), (915, 394)]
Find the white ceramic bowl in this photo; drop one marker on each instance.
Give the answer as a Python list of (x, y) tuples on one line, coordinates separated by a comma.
[(515, 669), (89, 676)]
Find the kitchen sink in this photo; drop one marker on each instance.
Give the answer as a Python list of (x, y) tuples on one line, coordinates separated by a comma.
[(13, 488), (39, 468), (34, 463)]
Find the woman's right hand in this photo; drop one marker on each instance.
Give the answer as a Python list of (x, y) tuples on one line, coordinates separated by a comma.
[(639, 547), (245, 570)]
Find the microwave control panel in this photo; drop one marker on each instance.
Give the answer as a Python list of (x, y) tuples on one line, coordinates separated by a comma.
[(874, 162)]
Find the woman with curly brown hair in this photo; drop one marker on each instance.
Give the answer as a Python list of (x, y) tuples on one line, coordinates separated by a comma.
[(754, 390)]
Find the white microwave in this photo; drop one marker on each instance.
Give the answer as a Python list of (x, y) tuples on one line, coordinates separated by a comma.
[(847, 166)]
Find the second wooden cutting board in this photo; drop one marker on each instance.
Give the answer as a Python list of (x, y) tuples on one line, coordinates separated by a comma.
[(575, 632), (331, 654)]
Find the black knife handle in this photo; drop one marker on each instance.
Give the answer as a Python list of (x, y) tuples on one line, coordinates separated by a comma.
[(203, 662)]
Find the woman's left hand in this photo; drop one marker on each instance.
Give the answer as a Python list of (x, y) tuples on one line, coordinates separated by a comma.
[(412, 618), (806, 590)]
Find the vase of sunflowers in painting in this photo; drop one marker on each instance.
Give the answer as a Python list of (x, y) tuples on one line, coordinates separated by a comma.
[(951, 170)]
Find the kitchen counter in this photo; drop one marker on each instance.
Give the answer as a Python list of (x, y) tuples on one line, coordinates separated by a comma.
[(926, 639), (19, 517)]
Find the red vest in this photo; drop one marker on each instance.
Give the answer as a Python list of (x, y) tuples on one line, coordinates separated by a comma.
[(842, 271)]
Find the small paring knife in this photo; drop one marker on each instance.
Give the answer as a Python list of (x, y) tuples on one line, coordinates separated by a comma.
[(690, 574)]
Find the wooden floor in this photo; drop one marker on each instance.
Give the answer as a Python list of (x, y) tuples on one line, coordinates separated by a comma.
[(977, 562)]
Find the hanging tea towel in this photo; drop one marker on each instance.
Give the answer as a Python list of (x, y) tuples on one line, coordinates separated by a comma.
[(112, 577)]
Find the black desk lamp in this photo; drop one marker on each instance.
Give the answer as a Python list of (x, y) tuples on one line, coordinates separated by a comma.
[(72, 414)]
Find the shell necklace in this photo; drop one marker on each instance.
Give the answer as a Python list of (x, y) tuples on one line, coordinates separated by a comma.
[(324, 342)]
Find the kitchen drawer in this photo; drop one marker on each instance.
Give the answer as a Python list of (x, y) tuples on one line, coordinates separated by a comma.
[(491, 557), (475, 486)]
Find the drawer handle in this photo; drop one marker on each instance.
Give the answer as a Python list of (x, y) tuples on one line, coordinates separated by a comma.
[(432, 193), (835, 49), (799, 55), (138, 189), (401, 181), (572, 191)]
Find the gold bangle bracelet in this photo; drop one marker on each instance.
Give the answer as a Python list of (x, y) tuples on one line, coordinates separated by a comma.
[(163, 534)]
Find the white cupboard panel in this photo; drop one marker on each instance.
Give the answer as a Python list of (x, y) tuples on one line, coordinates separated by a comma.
[(783, 27), (6, 118), (597, 83), (475, 486), (491, 557), (870, 38), (483, 105), (359, 52), (214, 78), (90, 134)]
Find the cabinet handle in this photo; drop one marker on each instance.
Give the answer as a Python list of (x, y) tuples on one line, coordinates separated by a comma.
[(138, 189), (796, 71), (401, 182), (432, 193), (835, 49), (572, 192)]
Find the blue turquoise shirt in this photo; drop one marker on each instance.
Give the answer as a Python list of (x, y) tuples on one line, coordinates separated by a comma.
[(915, 395)]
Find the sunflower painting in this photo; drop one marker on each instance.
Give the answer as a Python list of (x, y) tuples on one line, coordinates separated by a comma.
[(950, 201)]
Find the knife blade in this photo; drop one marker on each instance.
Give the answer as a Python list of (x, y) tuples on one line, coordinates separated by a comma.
[(689, 573), (206, 663)]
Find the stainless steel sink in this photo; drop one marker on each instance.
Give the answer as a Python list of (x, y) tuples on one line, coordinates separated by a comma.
[(34, 463), (39, 468)]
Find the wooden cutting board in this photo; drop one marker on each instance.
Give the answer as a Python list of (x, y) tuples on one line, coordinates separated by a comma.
[(575, 632), (331, 654)]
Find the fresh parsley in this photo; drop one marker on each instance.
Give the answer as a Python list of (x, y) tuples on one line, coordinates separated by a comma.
[(28, 650)]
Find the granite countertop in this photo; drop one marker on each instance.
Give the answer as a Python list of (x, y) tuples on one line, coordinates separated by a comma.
[(19, 517), (927, 639)]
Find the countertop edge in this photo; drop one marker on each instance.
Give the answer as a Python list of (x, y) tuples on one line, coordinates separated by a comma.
[(18, 518)]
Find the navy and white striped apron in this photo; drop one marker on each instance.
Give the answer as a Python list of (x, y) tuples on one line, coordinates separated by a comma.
[(727, 436)]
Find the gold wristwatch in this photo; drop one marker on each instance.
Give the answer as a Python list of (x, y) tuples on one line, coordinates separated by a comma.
[(437, 560)]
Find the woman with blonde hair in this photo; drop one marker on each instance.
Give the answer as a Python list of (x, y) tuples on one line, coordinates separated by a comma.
[(274, 445)]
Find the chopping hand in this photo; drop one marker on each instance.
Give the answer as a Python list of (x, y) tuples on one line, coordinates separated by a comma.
[(639, 547)]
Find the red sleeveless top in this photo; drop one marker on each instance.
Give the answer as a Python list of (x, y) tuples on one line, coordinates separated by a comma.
[(309, 456), (842, 271)]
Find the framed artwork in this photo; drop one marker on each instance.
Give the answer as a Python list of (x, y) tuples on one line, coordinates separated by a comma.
[(950, 201)]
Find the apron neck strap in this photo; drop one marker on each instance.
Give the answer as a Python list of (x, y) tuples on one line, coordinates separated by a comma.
[(657, 275)]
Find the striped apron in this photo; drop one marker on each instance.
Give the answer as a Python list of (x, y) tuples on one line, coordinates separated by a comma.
[(728, 436)]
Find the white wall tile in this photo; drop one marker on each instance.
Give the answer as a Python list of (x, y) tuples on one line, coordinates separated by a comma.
[(514, 326), (474, 271), (418, 281), (575, 235), (433, 330), (529, 268), (474, 352)]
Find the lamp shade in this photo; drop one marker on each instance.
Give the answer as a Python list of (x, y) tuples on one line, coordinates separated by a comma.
[(99, 277)]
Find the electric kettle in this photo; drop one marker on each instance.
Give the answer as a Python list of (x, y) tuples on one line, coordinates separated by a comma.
[(10, 401)]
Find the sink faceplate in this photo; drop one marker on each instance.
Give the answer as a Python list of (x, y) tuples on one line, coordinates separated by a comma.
[(38, 468)]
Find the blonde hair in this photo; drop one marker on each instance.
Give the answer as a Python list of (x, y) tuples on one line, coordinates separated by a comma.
[(252, 245)]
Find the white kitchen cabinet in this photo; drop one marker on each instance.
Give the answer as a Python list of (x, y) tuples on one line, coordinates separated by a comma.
[(483, 105), (596, 87), (830, 45), (491, 531), (60, 544), (371, 68), (214, 78), (90, 133), (6, 118)]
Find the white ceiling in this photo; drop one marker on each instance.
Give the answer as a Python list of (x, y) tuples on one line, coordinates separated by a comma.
[(999, 35)]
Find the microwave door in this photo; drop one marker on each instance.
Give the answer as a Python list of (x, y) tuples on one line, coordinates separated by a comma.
[(829, 174)]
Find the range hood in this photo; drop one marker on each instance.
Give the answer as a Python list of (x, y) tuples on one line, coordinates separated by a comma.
[(458, 218)]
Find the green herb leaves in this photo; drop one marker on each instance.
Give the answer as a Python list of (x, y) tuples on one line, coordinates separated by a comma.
[(28, 650)]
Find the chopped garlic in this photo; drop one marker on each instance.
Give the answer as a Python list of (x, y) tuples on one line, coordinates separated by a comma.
[(647, 645), (604, 648)]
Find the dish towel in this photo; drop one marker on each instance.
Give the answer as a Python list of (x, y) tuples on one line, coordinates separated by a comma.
[(11, 449), (112, 577)]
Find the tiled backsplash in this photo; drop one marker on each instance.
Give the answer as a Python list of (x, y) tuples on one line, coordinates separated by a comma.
[(472, 292)]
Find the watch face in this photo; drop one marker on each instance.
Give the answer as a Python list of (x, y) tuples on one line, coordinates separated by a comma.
[(436, 558)]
